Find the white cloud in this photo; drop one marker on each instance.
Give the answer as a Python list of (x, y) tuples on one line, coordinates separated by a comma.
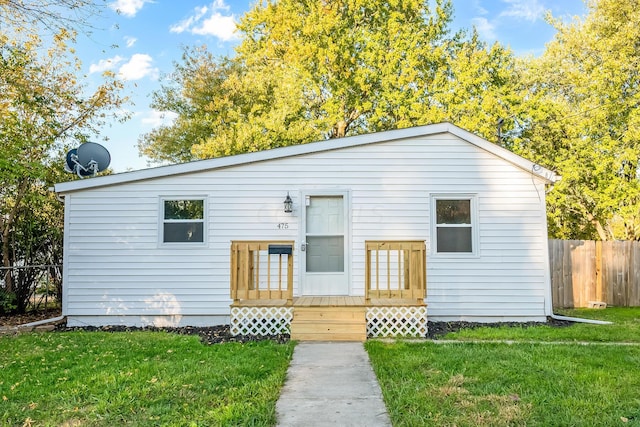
[(222, 27), (138, 67), (187, 23), (208, 21), (130, 41), (156, 118), (475, 4), (219, 4), (485, 28), (529, 10), (105, 64), (128, 8)]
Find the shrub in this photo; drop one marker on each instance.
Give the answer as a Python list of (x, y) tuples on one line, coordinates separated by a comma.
[(7, 302)]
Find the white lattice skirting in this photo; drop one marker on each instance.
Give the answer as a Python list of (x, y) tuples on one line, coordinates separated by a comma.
[(396, 321), (261, 321)]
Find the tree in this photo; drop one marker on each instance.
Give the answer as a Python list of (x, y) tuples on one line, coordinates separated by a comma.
[(51, 15), (585, 123), (43, 105), (219, 100), (308, 70)]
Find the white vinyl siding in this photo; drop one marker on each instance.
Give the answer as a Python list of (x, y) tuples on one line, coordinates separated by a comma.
[(115, 267)]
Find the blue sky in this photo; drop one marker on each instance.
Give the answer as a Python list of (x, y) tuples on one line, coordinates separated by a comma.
[(141, 39)]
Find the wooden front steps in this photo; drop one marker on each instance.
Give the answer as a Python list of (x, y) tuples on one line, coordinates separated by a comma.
[(345, 323)]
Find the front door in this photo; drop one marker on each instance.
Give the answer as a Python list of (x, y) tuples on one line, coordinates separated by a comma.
[(325, 245)]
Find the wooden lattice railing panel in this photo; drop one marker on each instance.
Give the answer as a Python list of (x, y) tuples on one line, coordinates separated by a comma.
[(261, 270), (395, 269)]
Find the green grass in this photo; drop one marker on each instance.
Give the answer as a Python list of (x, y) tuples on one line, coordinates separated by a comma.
[(625, 328), (147, 379), (524, 383), (475, 384), (138, 379), (489, 384)]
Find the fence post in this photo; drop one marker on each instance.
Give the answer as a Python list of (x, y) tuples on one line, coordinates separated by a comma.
[(599, 296)]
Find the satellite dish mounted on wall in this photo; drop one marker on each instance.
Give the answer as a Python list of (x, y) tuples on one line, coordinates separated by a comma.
[(87, 160)]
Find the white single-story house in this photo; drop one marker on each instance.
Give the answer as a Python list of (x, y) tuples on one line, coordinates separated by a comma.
[(391, 223)]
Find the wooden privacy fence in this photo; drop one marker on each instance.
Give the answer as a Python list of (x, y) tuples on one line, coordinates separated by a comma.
[(584, 271)]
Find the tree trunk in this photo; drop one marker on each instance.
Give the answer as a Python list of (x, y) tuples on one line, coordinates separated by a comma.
[(599, 228), (6, 261), (340, 129)]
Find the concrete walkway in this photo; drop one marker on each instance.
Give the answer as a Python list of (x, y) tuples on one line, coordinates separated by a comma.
[(331, 384)]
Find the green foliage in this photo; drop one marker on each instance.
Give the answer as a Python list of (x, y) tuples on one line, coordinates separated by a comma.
[(141, 378), (7, 302), (305, 71), (36, 239), (585, 122), (43, 107)]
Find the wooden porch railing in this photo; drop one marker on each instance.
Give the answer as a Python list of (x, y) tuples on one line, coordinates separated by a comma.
[(261, 270), (396, 270)]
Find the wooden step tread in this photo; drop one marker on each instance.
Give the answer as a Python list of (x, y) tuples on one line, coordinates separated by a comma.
[(328, 326), (329, 337), (320, 317)]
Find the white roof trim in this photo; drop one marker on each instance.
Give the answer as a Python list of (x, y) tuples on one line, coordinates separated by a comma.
[(314, 147)]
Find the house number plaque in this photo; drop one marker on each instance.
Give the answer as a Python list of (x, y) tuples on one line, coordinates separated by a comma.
[(283, 225)]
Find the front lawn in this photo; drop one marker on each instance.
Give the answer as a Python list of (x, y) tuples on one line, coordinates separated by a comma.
[(625, 328), (155, 378), (490, 384), (534, 384), (138, 378)]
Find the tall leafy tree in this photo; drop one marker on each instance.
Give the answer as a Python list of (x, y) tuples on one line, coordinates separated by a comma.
[(308, 70), (43, 105), (585, 122)]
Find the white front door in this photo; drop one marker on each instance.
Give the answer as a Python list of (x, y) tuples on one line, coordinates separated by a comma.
[(325, 245)]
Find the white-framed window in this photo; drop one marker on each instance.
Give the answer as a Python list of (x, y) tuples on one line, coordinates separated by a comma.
[(182, 220), (454, 222)]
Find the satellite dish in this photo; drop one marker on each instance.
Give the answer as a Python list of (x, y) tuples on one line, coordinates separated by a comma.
[(87, 160), (69, 164), (90, 152)]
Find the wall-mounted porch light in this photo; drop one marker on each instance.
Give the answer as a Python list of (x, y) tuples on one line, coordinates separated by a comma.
[(288, 204)]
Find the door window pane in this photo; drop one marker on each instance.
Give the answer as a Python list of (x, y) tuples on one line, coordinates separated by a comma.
[(325, 254), (325, 215)]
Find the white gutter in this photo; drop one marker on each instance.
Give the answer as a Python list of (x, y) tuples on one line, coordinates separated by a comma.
[(580, 320), (41, 322)]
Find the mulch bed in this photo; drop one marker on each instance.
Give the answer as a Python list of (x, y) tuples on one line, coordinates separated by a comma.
[(208, 334), (221, 334)]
